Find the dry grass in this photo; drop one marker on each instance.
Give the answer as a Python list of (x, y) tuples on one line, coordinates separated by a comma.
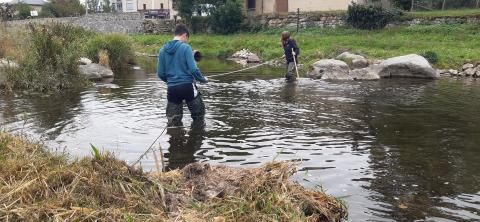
[(103, 58), (10, 43), (37, 185)]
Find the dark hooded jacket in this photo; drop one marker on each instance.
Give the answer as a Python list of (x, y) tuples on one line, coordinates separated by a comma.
[(289, 45), (176, 65)]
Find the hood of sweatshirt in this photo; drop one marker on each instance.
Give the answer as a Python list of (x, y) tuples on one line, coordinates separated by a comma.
[(172, 46)]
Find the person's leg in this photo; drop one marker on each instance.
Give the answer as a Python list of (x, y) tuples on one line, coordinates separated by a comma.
[(196, 106), (290, 76), (174, 114), (174, 106)]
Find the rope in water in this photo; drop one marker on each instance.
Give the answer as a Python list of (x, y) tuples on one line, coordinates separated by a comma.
[(150, 147), (251, 67)]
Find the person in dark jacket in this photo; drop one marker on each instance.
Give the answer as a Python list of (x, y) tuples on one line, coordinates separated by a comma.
[(177, 67), (291, 51)]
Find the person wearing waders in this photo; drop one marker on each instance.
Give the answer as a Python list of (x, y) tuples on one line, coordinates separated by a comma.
[(177, 67), (291, 51)]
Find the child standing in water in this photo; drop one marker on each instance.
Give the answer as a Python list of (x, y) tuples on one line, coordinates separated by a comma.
[(291, 51)]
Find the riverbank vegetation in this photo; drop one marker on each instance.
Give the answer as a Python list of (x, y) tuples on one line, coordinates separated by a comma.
[(47, 55), (475, 12), (117, 46), (37, 184), (48, 58), (454, 44)]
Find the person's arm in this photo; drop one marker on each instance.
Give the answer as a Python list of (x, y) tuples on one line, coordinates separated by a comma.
[(161, 73), (295, 48), (192, 65)]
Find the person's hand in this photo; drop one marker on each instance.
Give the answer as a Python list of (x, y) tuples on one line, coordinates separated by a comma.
[(293, 53)]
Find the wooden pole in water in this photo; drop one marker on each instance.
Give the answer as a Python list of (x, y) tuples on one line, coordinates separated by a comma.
[(295, 62)]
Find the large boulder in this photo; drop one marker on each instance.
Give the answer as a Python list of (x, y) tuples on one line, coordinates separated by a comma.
[(329, 69), (95, 71), (413, 66), (359, 63), (348, 56), (368, 73), (245, 56)]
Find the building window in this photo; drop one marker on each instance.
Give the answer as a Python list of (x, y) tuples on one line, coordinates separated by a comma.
[(251, 4), (161, 5), (144, 6), (129, 6)]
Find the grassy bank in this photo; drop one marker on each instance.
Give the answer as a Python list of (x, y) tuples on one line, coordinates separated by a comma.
[(445, 13), (38, 185), (454, 44)]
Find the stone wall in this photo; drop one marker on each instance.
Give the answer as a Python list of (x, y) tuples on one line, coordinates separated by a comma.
[(134, 23), (304, 20), (130, 23)]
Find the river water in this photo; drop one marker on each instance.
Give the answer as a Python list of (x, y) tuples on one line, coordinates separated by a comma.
[(394, 150)]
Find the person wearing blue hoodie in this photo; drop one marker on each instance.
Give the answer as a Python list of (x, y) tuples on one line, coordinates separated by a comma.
[(177, 67)]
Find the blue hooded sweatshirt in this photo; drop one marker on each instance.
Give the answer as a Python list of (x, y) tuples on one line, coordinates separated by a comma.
[(176, 65)]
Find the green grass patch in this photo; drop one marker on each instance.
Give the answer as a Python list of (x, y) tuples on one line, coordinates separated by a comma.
[(446, 13), (454, 44)]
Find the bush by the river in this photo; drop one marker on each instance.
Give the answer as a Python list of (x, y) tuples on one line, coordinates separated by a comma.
[(370, 16), (118, 47), (49, 60)]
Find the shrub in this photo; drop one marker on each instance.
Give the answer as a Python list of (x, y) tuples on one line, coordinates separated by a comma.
[(228, 18), (23, 10), (431, 56), (369, 16), (200, 24), (117, 46), (51, 61)]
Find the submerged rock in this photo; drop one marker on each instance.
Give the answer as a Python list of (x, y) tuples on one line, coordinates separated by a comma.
[(95, 71), (412, 66), (329, 69)]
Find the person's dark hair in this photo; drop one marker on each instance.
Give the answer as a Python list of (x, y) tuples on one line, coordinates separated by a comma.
[(181, 29)]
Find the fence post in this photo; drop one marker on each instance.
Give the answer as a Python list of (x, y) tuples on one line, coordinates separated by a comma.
[(298, 18)]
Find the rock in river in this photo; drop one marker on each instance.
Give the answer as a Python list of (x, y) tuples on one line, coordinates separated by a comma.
[(95, 71), (412, 66), (329, 69)]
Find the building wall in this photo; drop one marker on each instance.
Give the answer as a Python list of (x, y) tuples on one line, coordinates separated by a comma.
[(154, 4), (270, 6), (318, 5)]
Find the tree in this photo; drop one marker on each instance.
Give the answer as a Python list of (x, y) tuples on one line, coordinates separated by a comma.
[(185, 9), (228, 18), (6, 11), (63, 8), (23, 10), (107, 7)]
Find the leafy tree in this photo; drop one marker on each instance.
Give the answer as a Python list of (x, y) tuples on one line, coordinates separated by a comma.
[(23, 10), (185, 9), (107, 7), (228, 18), (6, 11), (62, 8), (403, 4)]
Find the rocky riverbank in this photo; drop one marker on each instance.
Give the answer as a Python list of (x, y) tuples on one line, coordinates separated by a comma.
[(38, 185)]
